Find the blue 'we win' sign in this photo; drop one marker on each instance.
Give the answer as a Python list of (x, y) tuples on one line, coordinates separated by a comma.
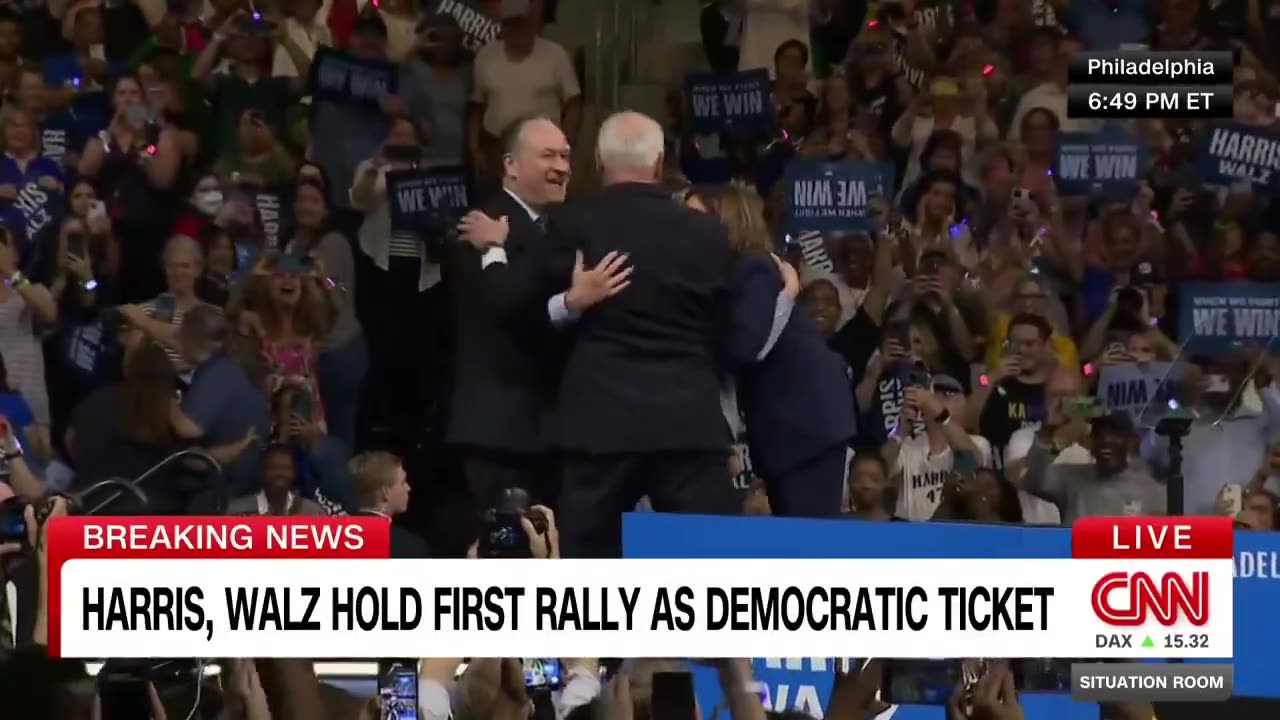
[(723, 101), (1231, 153), (1143, 391), (834, 197), (342, 78), (420, 199), (1107, 163), (1218, 317)]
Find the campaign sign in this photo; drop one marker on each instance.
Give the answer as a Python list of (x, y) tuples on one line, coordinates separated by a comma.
[(41, 210), (268, 205), (1230, 153), (729, 101), (833, 196), (1108, 163), (341, 78), (1141, 390), (476, 26), (1215, 318), (419, 198), (805, 683)]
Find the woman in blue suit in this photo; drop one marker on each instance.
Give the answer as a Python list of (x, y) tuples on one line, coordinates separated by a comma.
[(792, 390)]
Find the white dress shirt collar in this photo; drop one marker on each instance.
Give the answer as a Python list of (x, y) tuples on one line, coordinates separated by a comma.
[(533, 214)]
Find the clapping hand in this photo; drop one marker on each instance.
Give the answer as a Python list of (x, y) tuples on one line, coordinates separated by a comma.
[(482, 231), (609, 277)]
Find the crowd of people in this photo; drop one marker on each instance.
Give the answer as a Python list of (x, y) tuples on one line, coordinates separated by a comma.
[(666, 342)]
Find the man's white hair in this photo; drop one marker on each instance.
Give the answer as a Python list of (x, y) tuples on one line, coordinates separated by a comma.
[(630, 141)]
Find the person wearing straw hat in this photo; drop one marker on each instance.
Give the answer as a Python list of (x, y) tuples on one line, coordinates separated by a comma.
[(941, 108)]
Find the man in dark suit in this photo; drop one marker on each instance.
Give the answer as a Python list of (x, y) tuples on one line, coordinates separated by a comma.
[(639, 402), (507, 360), (382, 490)]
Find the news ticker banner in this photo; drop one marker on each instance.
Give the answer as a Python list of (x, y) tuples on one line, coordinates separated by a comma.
[(1145, 84), (322, 588), (654, 535)]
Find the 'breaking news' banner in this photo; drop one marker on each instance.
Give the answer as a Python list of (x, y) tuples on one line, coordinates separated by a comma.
[(286, 587), (729, 101), (1108, 163), (1141, 390), (1230, 153), (1215, 318), (834, 196), (478, 29), (341, 78), (419, 199)]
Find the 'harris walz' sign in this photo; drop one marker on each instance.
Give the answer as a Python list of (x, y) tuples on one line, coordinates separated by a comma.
[(834, 196), (421, 200), (341, 78), (1232, 153), (40, 208), (477, 27)]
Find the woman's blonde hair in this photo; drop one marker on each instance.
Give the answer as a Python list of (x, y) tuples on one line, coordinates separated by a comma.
[(741, 211), (313, 316)]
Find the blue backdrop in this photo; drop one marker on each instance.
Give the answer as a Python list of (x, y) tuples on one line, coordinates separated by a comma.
[(808, 681)]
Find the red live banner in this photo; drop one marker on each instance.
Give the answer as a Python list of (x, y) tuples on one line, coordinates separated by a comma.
[(1152, 538)]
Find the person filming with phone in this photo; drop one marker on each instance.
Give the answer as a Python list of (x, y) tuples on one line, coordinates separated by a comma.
[(1011, 395), (923, 463), (135, 163), (403, 272), (83, 283), (435, 86)]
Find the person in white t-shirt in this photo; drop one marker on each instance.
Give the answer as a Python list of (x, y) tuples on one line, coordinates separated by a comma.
[(923, 463), (518, 75), (1070, 442)]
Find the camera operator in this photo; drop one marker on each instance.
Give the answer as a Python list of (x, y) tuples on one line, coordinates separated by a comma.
[(515, 529)]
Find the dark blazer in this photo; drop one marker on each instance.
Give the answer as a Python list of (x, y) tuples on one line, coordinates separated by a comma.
[(796, 400), (641, 374), (505, 367), (404, 544)]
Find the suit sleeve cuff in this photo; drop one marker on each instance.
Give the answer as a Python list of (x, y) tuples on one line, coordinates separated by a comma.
[(559, 313), (493, 255)]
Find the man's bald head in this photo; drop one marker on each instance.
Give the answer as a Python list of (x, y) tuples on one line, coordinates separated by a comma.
[(630, 148), (536, 162)]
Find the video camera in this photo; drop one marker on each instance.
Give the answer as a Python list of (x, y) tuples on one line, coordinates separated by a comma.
[(504, 535)]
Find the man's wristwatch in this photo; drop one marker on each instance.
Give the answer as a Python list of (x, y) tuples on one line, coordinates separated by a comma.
[(17, 281)]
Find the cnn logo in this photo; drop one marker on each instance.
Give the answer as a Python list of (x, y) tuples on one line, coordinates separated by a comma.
[(1126, 599)]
